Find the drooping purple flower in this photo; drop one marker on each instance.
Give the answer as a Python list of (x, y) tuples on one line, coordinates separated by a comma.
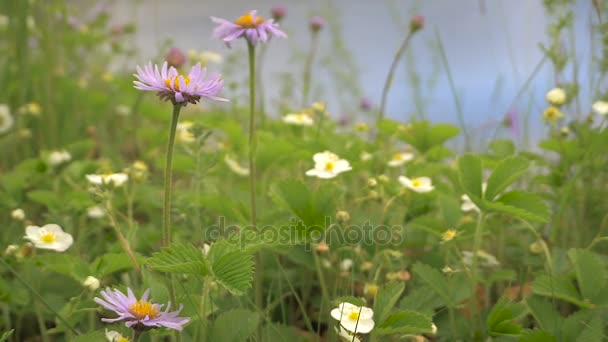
[(250, 26), (170, 85), (140, 314), (512, 123), (316, 24), (176, 57), (365, 104), (278, 12)]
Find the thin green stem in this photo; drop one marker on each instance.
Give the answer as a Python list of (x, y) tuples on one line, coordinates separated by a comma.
[(260, 83), (474, 272), (166, 241), (391, 73), (259, 295), (41, 324), (314, 46)]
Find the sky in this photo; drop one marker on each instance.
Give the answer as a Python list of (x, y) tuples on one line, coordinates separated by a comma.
[(491, 48)]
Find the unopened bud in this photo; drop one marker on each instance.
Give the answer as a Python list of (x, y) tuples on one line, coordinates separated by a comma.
[(322, 247), (176, 58), (91, 283), (372, 182), (416, 23), (342, 216), (278, 12), (371, 290), (316, 24)]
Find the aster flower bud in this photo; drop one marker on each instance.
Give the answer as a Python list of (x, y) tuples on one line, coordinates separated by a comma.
[(342, 216), (316, 24), (365, 104), (416, 23), (372, 182), (278, 12), (556, 97), (176, 58), (322, 247), (18, 214), (91, 283)]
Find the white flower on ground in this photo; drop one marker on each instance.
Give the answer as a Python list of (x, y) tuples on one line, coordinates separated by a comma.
[(115, 336), (298, 119), (556, 96), (355, 319), (115, 179), (399, 159), (420, 184), (346, 265), (235, 167), (328, 165), (483, 258), (59, 157), (91, 283), (184, 132), (96, 212), (18, 214), (600, 107), (346, 336), (49, 236), (6, 119)]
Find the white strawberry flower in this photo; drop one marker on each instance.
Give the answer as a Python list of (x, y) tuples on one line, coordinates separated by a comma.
[(49, 236), (298, 119), (115, 179), (355, 319), (420, 184), (399, 159), (328, 165)]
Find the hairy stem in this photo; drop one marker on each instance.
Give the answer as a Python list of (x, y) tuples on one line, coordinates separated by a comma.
[(314, 46), (391, 74)]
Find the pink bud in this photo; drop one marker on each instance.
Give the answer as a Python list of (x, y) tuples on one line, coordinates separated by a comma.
[(176, 58), (316, 24), (416, 23), (278, 12)]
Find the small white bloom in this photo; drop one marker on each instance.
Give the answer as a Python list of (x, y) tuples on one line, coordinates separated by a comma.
[(483, 257), (420, 184), (235, 167), (346, 335), (365, 156), (115, 179), (10, 250), (206, 248), (91, 283), (18, 214), (346, 265), (49, 236), (600, 107), (96, 212), (399, 159), (115, 336), (6, 119), (355, 319), (328, 165), (433, 329), (123, 110), (556, 96), (59, 157), (184, 132), (298, 119)]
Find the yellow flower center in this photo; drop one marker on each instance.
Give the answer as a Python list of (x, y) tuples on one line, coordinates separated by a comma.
[(416, 183), (329, 166), (122, 339), (353, 315), (48, 238), (448, 235), (397, 156), (175, 81), (247, 21), (142, 309)]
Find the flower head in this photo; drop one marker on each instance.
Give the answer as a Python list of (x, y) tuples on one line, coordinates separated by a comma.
[(91, 283), (316, 24), (235, 167), (399, 159), (6, 119), (448, 235), (365, 104), (328, 165), (416, 23), (552, 114), (278, 12), (115, 336), (18, 214), (250, 26), (170, 85), (96, 212), (59, 157), (600, 107), (485, 258), (420, 184), (140, 314), (355, 319), (114, 179), (49, 236), (556, 97), (301, 119), (184, 132), (176, 57)]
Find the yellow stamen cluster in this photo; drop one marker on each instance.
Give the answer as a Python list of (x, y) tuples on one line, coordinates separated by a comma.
[(397, 156), (247, 21), (416, 183), (353, 315), (449, 235), (329, 166), (175, 82), (48, 238), (142, 309), (552, 114)]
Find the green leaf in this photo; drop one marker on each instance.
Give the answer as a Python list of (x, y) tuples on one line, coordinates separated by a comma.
[(524, 205), (234, 326), (422, 299), (537, 336), (6, 335), (405, 322), (179, 258), (45, 197), (65, 264), (560, 288), (590, 272), (470, 175), (583, 326), (95, 336), (500, 319), (386, 299), (544, 313), (502, 147), (231, 267), (506, 173), (434, 279), (112, 262)]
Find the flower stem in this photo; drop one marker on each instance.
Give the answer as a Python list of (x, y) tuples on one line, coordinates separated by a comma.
[(166, 241), (391, 73), (252, 176), (314, 46), (474, 274)]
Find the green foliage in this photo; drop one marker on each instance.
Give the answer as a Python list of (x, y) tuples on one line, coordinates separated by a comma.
[(179, 258), (231, 267), (500, 320), (386, 299), (506, 172), (234, 325), (405, 322)]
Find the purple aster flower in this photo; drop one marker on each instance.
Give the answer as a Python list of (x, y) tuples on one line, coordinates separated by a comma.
[(176, 58), (140, 314), (365, 104), (316, 24), (170, 85), (278, 12), (251, 26)]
